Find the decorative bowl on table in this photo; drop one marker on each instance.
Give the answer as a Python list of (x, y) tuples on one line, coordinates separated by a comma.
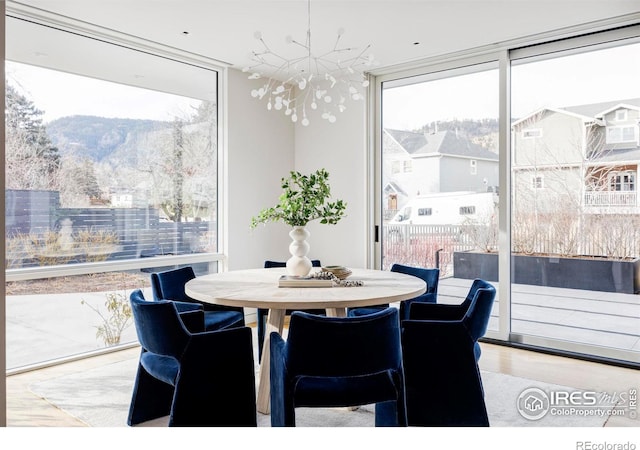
[(339, 271)]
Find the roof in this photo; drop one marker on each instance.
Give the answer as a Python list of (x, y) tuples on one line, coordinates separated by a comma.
[(392, 186), (577, 115), (439, 143), (599, 109), (618, 155), (588, 112), (408, 140)]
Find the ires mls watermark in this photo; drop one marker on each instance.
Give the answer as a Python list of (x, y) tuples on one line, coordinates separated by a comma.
[(534, 403)]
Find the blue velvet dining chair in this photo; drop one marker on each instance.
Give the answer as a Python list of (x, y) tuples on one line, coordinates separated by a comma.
[(430, 277), (443, 384), (196, 377), (261, 315), (338, 362), (170, 285), (442, 380), (474, 311), (440, 356)]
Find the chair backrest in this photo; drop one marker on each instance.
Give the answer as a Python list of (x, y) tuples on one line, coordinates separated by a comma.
[(344, 346), (430, 276), (482, 295), (477, 284), (169, 285), (271, 264), (158, 325), (442, 379), (474, 311)]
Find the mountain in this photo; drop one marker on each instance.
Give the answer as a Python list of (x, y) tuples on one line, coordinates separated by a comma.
[(98, 137)]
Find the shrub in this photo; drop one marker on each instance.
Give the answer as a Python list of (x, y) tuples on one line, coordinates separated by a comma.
[(119, 317)]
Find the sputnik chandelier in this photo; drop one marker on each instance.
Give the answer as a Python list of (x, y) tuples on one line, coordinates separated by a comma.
[(309, 81)]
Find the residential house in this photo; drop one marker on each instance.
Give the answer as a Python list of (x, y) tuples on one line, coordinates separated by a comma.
[(432, 162), (123, 198), (584, 157)]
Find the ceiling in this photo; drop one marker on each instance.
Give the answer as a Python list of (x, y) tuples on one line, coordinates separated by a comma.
[(398, 31)]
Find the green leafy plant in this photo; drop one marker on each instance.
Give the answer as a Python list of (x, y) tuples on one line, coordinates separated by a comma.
[(118, 319), (304, 198)]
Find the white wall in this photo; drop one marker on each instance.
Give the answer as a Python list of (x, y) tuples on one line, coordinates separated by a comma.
[(340, 148), (263, 147), (261, 152)]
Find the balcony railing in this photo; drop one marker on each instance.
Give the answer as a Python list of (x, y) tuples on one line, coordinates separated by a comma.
[(610, 198)]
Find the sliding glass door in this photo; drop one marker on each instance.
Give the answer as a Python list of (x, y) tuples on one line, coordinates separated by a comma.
[(575, 210), (439, 164), (560, 162)]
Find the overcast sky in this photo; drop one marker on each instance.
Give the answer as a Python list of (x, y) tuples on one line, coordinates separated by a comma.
[(604, 75), (59, 94)]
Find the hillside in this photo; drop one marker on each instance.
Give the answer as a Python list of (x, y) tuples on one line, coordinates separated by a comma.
[(97, 137), (483, 132)]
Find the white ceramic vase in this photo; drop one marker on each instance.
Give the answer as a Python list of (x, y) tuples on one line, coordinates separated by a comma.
[(299, 264)]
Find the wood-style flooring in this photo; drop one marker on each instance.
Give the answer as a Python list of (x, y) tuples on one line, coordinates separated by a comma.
[(24, 409)]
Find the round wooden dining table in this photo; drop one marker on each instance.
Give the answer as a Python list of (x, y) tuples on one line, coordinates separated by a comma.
[(258, 288)]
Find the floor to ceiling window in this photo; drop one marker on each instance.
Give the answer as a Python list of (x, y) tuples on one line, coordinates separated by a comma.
[(566, 169), (111, 173), (575, 212), (440, 171)]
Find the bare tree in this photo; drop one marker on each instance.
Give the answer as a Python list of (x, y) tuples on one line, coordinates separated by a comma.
[(553, 186), (179, 164)]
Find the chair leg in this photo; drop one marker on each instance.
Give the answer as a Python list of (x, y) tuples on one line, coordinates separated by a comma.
[(390, 414), (284, 413), (150, 400)]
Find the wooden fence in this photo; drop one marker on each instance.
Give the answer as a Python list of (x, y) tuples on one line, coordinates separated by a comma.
[(139, 232), (423, 245), (434, 245)]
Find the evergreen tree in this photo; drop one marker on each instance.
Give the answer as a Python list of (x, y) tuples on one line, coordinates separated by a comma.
[(32, 161), (90, 181), (85, 176)]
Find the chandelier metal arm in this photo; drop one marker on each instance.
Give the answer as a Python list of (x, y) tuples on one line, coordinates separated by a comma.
[(302, 82)]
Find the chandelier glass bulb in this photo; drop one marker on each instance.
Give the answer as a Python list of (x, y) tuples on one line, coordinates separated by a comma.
[(309, 80)]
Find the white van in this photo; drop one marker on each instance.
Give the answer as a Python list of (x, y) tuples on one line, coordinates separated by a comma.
[(448, 208)]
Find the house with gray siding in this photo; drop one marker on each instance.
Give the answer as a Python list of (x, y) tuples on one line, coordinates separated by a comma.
[(582, 157), (439, 161)]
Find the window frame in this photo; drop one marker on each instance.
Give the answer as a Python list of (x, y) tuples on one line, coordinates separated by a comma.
[(597, 35), (621, 129), (617, 180), (467, 210), (621, 115), (537, 182), (172, 56), (473, 166), (532, 133), (216, 261)]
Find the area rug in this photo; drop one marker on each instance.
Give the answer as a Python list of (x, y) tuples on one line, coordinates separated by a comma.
[(100, 398)]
